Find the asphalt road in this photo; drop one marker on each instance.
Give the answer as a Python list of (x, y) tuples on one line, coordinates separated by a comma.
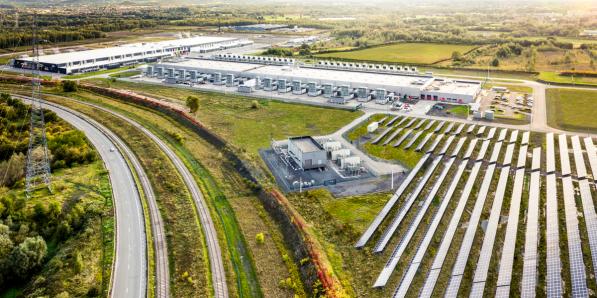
[(215, 255), (129, 276)]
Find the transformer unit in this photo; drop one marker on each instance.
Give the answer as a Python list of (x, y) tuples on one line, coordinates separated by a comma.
[(247, 86), (363, 94), (328, 90), (283, 86), (231, 81), (182, 75), (380, 93), (340, 154), (298, 88), (269, 84), (313, 89), (149, 71)]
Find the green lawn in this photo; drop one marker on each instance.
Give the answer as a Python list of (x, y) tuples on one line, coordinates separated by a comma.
[(409, 157), (419, 53), (572, 109), (554, 77), (515, 88), (357, 211), (126, 74), (459, 111)]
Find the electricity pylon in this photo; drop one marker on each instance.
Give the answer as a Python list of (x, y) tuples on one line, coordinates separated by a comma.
[(38, 162)]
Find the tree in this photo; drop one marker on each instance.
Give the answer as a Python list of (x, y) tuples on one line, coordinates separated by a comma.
[(193, 104), (69, 86), (6, 244), (28, 255), (495, 62), (12, 170), (456, 56)]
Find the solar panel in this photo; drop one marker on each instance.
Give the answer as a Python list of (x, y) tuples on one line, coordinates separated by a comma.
[(469, 235), (471, 128), (449, 128), (382, 135), (507, 259), (420, 123), (550, 157), (502, 135), (435, 143), (423, 142), (392, 121), (382, 120), (402, 121), (429, 125), (413, 139), (481, 130), (491, 133), (459, 129), (592, 154), (529, 269), (399, 250), (410, 123), (402, 138), (492, 224), (439, 126), (525, 138), (390, 204), (442, 251), (392, 136), (587, 200)]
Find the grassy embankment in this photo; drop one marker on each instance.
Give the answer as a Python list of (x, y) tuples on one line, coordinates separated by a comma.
[(99, 72), (555, 77), (572, 109)]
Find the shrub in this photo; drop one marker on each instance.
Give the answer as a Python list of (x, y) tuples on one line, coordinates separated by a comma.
[(260, 238), (193, 104), (254, 104), (69, 86)]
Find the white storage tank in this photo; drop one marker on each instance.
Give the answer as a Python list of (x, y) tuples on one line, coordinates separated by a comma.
[(372, 127), (489, 115), (340, 154)]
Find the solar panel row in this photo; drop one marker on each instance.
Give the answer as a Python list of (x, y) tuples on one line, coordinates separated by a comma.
[(382, 135), (459, 129), (410, 123), (420, 123), (552, 235), (471, 128), (402, 120), (442, 251), (439, 126), (529, 269), (438, 139), (383, 120), (449, 128), (491, 133), (481, 130), (392, 121), (592, 154), (423, 142), (467, 241), (429, 125)]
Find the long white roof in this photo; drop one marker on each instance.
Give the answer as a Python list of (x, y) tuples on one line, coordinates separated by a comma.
[(305, 74), (127, 49)]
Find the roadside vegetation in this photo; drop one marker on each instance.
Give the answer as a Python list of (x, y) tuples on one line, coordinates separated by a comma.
[(571, 109), (58, 243)]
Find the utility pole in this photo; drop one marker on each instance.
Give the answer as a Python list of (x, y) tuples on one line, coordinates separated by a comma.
[(38, 162)]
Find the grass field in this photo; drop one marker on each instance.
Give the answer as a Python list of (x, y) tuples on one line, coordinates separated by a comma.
[(572, 109), (418, 53), (232, 117), (554, 77), (459, 111), (95, 73), (126, 74), (511, 87)]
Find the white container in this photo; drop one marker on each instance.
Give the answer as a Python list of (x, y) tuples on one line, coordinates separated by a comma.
[(372, 127), (340, 154)]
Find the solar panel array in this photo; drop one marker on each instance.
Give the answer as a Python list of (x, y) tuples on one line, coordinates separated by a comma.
[(482, 268), (402, 121), (449, 128), (383, 120), (507, 259), (382, 135), (391, 229), (586, 199), (491, 133), (392, 121), (392, 136), (390, 204), (467, 242), (481, 130), (439, 126), (390, 266), (552, 235), (413, 139), (418, 258), (575, 255), (471, 128), (442, 251), (403, 137), (438, 139)]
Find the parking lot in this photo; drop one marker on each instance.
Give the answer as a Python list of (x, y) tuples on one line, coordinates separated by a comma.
[(506, 104)]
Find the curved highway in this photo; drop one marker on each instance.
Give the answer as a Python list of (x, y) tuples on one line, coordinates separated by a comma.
[(130, 250), (211, 237)]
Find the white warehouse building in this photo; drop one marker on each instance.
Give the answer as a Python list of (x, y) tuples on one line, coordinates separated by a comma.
[(284, 75), (128, 54)]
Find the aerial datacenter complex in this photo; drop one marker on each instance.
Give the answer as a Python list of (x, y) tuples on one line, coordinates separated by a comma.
[(222, 150)]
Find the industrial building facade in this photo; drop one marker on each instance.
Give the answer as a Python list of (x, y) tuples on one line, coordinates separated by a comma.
[(284, 75), (307, 153), (113, 57)]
